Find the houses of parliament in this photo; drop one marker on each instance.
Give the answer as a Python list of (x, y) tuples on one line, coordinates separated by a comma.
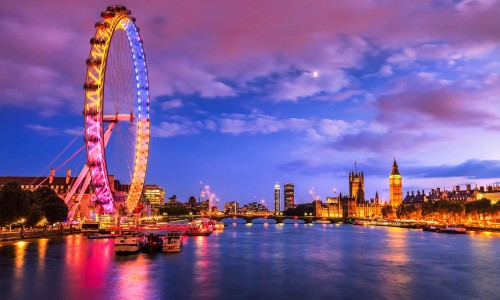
[(355, 205)]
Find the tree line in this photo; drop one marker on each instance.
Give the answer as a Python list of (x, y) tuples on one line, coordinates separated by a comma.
[(32, 207), (445, 211)]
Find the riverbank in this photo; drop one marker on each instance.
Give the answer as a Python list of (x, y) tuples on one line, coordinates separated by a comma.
[(35, 233), (416, 225)]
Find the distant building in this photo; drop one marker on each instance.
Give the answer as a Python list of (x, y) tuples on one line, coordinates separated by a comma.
[(395, 186), (254, 208), (330, 209), (232, 208), (491, 192), (62, 185), (347, 208), (352, 206), (289, 191), (357, 186), (172, 199), (155, 194), (204, 207), (277, 196), (192, 202), (419, 198)]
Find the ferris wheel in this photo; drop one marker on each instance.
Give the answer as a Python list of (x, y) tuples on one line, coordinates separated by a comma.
[(116, 94)]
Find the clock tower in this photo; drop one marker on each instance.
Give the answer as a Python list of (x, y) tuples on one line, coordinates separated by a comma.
[(395, 186)]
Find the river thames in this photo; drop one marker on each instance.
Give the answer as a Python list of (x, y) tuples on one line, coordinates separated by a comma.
[(261, 261)]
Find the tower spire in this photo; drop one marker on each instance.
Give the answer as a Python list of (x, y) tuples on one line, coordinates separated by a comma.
[(395, 170)]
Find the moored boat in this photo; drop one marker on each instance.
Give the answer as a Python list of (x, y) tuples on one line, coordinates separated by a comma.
[(199, 227), (219, 226), (172, 242), (431, 228), (455, 229), (101, 236), (153, 242), (361, 222), (129, 242), (322, 221)]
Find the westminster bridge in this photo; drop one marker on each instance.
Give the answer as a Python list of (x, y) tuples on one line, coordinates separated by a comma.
[(251, 218)]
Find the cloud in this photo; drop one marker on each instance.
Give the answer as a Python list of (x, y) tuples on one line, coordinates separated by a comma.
[(473, 168), (172, 129), (74, 131), (51, 131), (391, 141), (46, 130), (260, 123), (195, 50), (175, 103), (386, 70), (307, 85), (422, 101)]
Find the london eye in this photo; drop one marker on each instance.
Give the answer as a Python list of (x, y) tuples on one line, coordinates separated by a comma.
[(116, 100)]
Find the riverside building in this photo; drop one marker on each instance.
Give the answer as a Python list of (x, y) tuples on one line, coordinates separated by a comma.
[(289, 190), (277, 194)]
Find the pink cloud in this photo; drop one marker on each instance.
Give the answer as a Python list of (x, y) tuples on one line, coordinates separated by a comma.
[(421, 101), (200, 46)]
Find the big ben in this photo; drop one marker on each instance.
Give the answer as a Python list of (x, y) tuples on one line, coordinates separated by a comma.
[(395, 186)]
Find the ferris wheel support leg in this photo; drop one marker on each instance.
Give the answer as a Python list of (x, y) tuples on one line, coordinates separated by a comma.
[(86, 183), (84, 172)]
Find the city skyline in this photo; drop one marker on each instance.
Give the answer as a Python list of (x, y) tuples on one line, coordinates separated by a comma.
[(245, 95)]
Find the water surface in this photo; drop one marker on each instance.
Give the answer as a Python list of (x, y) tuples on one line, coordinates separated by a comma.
[(261, 261)]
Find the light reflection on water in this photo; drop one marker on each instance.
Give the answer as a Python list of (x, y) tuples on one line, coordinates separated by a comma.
[(271, 261)]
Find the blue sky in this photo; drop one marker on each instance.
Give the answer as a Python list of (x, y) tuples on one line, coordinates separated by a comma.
[(247, 93)]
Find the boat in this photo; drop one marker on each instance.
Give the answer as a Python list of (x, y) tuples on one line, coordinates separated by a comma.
[(90, 228), (322, 221), (153, 242), (361, 222), (101, 236), (431, 228), (199, 227), (219, 226), (172, 242), (455, 229), (129, 242)]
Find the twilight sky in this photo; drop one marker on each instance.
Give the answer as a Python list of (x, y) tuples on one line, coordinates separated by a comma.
[(246, 93)]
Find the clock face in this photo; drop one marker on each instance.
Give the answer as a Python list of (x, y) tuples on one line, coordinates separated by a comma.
[(397, 181)]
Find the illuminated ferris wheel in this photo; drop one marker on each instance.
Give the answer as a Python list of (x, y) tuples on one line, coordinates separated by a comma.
[(116, 96)]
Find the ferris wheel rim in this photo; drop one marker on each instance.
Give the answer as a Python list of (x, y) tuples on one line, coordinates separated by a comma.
[(114, 18)]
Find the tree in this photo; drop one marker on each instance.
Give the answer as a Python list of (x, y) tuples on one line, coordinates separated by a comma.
[(408, 211), (300, 210), (495, 211), (457, 210), (429, 210), (387, 211), (14, 203), (174, 210), (43, 193), (479, 209), (35, 215), (55, 209)]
